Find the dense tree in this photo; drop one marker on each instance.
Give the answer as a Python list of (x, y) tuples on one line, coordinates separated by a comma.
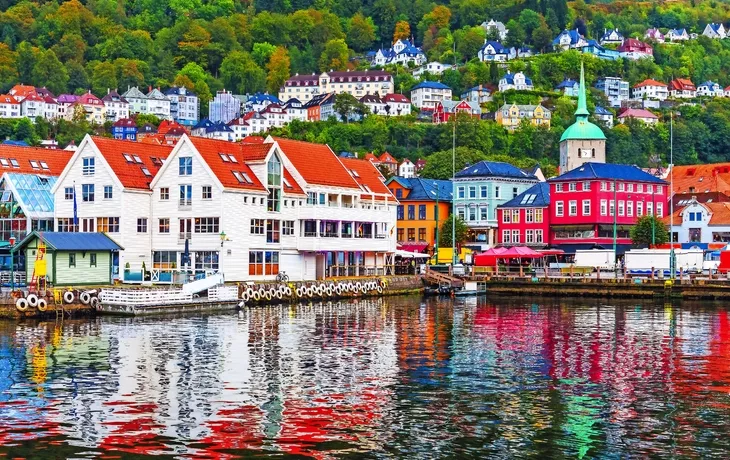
[(360, 32), (649, 230), (402, 31), (334, 56), (278, 68), (241, 74), (454, 225), (49, 71)]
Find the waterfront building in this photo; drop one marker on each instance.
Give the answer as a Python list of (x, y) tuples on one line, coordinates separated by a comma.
[(355, 83), (583, 141), (701, 183), (184, 105), (480, 189), (71, 259), (427, 94), (697, 222), (586, 201), (511, 115), (424, 206), (615, 89), (525, 219), (108, 181)]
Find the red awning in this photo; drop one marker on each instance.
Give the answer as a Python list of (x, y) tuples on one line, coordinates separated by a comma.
[(489, 257), (520, 252), (413, 247)]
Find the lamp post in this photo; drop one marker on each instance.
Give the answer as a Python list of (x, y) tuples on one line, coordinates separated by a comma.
[(436, 216), (615, 213), (223, 238), (453, 194), (672, 260), (11, 240)]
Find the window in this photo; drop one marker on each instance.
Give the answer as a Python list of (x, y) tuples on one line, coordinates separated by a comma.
[(421, 234), (538, 216), (506, 216), (411, 234), (572, 208), (186, 195), (142, 225), (558, 187), (649, 189), (287, 227), (207, 225), (639, 188), (274, 184), (71, 260), (506, 236), (311, 198), (538, 236), (621, 187), (108, 192), (639, 209), (92, 260), (612, 208), (604, 207), (207, 192), (185, 166), (421, 212), (164, 259), (572, 187), (472, 214), (88, 225), (649, 209), (483, 191), (515, 216), (411, 212), (461, 192), (659, 189), (603, 186), (257, 226), (263, 262), (515, 192), (515, 236), (399, 211), (88, 167), (659, 210), (68, 193), (14, 163), (529, 236), (273, 200), (164, 193), (206, 260), (461, 213), (164, 226), (612, 186), (273, 231), (586, 207), (630, 208), (621, 208), (586, 186), (64, 224), (630, 187), (483, 214), (400, 234), (108, 224), (496, 192), (559, 208), (87, 192), (472, 192)]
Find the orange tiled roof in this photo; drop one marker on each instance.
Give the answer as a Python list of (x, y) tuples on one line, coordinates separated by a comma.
[(388, 158), (55, 160), (22, 90), (131, 174), (253, 140), (293, 188), (211, 150), (316, 163), (8, 99), (682, 84), (650, 82), (719, 214), (372, 158), (367, 174), (702, 178)]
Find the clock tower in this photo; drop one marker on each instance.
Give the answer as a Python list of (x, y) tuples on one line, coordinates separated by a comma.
[(583, 141)]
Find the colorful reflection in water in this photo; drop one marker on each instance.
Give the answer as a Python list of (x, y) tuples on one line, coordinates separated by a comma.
[(406, 378)]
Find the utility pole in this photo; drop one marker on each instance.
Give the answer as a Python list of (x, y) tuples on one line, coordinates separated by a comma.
[(436, 217), (453, 201), (615, 213), (672, 259)]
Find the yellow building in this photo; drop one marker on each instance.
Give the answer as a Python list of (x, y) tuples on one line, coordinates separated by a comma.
[(510, 116)]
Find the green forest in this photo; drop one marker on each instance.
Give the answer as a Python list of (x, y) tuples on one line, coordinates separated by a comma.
[(248, 46)]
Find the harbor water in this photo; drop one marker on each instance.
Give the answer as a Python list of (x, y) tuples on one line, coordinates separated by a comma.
[(403, 377)]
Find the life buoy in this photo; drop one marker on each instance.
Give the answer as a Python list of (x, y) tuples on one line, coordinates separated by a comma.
[(267, 295), (68, 297), (85, 298), (256, 296), (245, 297), (382, 282), (42, 305), (21, 304), (94, 302), (249, 291), (321, 289), (298, 291), (262, 292), (32, 300)]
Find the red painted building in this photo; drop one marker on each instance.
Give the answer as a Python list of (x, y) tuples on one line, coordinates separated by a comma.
[(525, 219), (583, 202)]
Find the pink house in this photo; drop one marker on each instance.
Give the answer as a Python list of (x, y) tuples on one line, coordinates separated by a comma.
[(525, 219)]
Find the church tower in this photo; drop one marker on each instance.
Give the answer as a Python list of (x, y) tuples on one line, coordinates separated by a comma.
[(583, 141)]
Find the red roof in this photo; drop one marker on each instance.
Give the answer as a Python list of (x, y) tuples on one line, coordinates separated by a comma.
[(125, 123), (637, 113), (293, 188), (316, 163), (33, 97), (166, 126), (130, 173), (650, 82), (214, 151), (54, 160), (633, 44), (366, 174), (683, 84), (371, 158), (89, 99), (388, 158), (8, 99), (396, 98), (253, 140), (22, 90)]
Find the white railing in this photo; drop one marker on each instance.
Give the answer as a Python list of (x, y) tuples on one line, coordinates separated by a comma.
[(223, 293), (131, 297)]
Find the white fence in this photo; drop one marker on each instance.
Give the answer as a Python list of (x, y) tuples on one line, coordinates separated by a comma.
[(223, 293), (132, 297)]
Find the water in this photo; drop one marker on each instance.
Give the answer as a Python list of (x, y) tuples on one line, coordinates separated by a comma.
[(405, 378)]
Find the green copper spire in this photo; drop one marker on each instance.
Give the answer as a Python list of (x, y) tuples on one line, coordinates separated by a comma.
[(582, 111)]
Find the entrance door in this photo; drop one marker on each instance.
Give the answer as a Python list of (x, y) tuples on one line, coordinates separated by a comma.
[(321, 266)]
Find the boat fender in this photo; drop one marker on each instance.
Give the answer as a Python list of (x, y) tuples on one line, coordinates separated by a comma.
[(310, 291), (32, 300), (364, 290), (262, 292), (256, 296), (287, 291), (21, 304), (249, 291), (329, 290), (68, 296), (85, 298), (338, 289), (42, 305), (298, 291), (380, 289), (94, 303), (322, 289), (279, 295), (358, 286), (267, 295), (245, 297)]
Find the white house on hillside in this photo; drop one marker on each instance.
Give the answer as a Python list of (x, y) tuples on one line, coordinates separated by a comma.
[(517, 81), (715, 30)]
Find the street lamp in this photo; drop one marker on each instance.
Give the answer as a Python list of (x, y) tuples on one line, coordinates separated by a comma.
[(11, 240), (436, 217), (223, 238)]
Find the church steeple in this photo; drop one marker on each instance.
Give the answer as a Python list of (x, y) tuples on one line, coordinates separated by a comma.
[(582, 112)]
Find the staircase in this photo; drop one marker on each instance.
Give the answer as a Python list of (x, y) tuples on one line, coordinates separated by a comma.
[(439, 279)]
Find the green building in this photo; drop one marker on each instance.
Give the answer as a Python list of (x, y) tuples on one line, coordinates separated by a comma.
[(71, 259)]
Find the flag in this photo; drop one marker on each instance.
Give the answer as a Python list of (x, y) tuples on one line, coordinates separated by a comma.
[(76, 214)]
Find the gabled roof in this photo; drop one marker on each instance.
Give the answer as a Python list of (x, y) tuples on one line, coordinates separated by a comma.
[(637, 113), (73, 241), (124, 123), (573, 34), (211, 149), (567, 83), (498, 48), (371, 158), (113, 96), (22, 90), (178, 91), (701, 178), (67, 98), (259, 98), (633, 44), (537, 196), (719, 214), (89, 99), (156, 94), (494, 169), (650, 82), (709, 84), (33, 97), (172, 127), (509, 77), (601, 111), (130, 173), (683, 84), (148, 128), (607, 171), (8, 99), (44, 92), (28, 157), (253, 140), (392, 97), (371, 99), (316, 163), (135, 93), (366, 175), (386, 157), (425, 189), (430, 85)]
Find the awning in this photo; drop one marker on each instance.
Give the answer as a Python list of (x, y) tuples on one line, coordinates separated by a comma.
[(571, 248), (411, 255), (413, 247)]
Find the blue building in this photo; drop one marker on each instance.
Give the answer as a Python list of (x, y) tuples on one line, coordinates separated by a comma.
[(184, 105), (568, 87), (479, 189), (125, 129), (594, 48)]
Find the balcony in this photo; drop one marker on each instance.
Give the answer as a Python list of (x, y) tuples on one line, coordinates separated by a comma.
[(314, 243)]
